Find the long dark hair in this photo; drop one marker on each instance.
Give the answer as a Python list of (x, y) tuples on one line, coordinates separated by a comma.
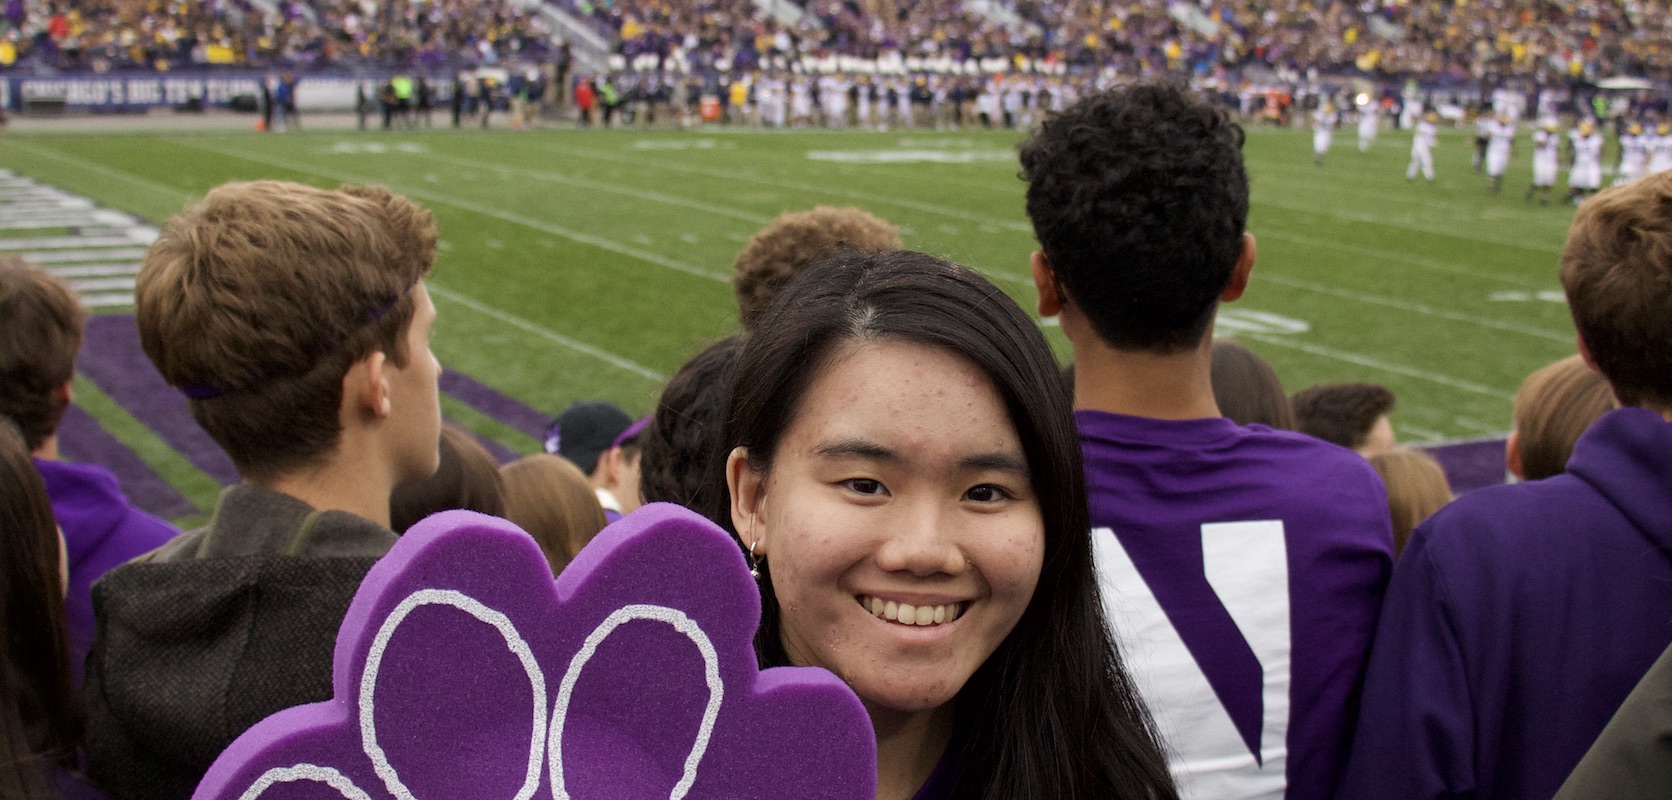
[(38, 725), (1052, 713)]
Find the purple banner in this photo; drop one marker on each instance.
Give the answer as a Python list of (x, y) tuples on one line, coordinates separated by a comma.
[(1471, 465)]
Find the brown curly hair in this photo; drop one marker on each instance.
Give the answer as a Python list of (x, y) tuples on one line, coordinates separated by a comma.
[(796, 239)]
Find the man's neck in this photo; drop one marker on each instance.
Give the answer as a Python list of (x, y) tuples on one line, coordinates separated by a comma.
[(1174, 386), (48, 451), (361, 489)]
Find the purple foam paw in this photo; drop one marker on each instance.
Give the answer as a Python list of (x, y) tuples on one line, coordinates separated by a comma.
[(464, 670)]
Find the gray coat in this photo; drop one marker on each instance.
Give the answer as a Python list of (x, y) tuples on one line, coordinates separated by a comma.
[(211, 633)]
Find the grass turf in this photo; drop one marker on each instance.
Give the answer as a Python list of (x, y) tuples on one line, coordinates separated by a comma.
[(581, 265)]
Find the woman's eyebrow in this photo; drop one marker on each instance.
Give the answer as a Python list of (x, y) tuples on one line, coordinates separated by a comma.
[(1003, 462), (857, 448), (871, 451)]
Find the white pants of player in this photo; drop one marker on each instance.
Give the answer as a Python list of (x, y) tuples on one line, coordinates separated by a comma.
[(1659, 162), (1366, 136), (1421, 158), (1544, 169), (1497, 160), (1585, 175), (1321, 141), (1630, 169)]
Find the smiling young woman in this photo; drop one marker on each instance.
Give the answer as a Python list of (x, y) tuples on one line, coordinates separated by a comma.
[(905, 470)]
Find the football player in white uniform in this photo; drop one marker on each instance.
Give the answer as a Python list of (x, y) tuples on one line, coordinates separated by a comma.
[(1634, 154), (1422, 147), (1660, 150), (1323, 131), (1500, 143), (1585, 176), (1367, 123), (1547, 157)]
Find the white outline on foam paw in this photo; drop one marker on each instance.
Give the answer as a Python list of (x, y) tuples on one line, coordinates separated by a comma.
[(711, 670), (305, 772), (513, 640)]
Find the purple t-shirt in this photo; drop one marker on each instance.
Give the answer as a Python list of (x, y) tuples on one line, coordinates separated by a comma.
[(1241, 569), (1517, 621), (101, 531)]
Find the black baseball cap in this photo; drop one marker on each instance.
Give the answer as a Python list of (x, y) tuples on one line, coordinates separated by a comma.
[(585, 430)]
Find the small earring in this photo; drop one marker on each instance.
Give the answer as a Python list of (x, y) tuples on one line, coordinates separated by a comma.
[(754, 563)]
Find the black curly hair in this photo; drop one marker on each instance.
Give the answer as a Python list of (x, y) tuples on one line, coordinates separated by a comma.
[(683, 454), (1139, 199)]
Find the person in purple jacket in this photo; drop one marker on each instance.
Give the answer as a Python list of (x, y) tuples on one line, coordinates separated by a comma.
[(1521, 616), (40, 332), (1242, 567)]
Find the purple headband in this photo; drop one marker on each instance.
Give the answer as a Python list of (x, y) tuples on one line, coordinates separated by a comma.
[(631, 433), (205, 391)]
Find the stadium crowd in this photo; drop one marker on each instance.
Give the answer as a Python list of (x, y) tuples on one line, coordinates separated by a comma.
[(1155, 574), (106, 35), (1551, 43)]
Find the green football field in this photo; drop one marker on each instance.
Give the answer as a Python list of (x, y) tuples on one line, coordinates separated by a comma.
[(591, 264)]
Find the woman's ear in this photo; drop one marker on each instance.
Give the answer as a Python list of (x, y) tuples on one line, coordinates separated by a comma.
[(748, 494)]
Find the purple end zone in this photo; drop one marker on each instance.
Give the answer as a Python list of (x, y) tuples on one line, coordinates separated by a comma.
[(462, 669), (1471, 465), (81, 438), (490, 401), (113, 360)]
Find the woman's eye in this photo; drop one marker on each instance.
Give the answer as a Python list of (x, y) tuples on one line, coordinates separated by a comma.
[(865, 486), (986, 493)]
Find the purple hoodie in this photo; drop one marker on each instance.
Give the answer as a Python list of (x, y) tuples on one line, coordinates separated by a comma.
[(1517, 621), (101, 531)]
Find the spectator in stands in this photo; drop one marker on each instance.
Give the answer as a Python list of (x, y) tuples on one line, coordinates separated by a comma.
[(325, 401), (40, 332), (39, 731), (1353, 415), (1553, 408), (1139, 199), (1630, 759), (901, 441), (1247, 389), (586, 433), (1522, 615), (466, 478), (551, 499), (681, 447), (798, 238), (1417, 488)]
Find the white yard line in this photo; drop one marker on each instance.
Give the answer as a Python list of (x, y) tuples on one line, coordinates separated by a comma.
[(106, 171), (1416, 308), (546, 333), (601, 186), (487, 211), (1431, 264), (1385, 366), (747, 177), (1407, 225), (96, 270)]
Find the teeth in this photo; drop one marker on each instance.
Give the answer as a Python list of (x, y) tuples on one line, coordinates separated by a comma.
[(906, 614)]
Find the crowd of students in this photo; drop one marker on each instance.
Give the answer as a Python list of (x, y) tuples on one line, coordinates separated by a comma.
[(1126, 579), (130, 34), (1550, 43)]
